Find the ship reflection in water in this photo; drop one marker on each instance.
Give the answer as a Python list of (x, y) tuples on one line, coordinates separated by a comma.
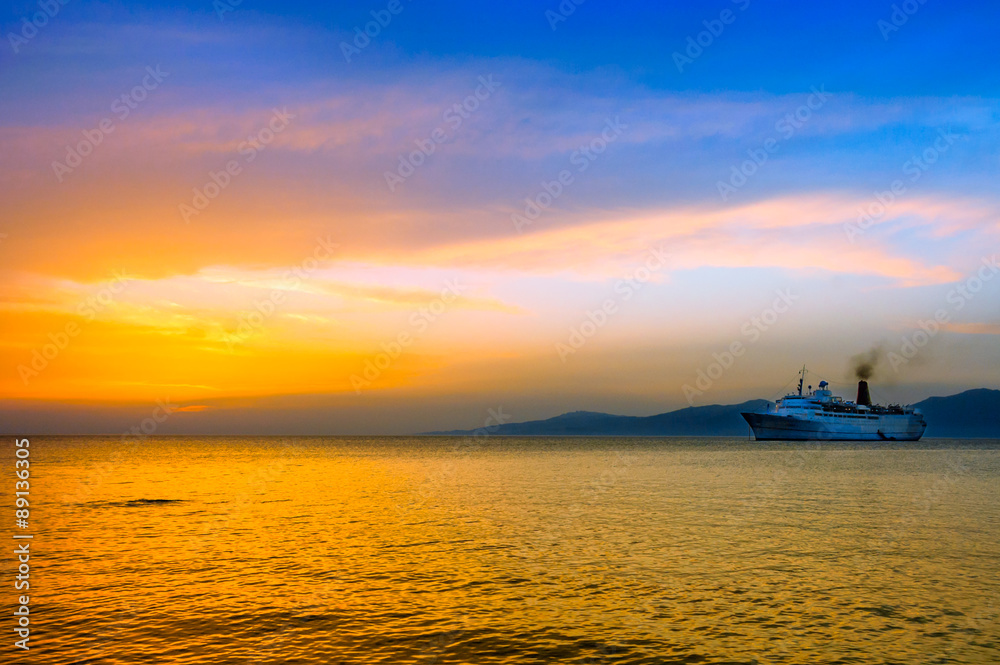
[(547, 550), (819, 415)]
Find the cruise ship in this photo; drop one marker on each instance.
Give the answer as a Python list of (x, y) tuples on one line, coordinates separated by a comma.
[(818, 415)]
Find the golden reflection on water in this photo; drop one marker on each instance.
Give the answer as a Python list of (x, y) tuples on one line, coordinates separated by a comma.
[(521, 551)]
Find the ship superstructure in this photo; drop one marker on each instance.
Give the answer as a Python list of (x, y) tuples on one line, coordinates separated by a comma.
[(820, 415)]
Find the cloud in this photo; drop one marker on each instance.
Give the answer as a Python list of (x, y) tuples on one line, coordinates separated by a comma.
[(973, 328), (799, 233), (194, 408), (325, 173), (655, 188)]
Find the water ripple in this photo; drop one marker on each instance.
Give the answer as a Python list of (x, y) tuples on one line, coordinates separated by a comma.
[(528, 551)]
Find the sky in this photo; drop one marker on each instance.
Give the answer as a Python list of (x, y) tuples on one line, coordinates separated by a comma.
[(396, 216)]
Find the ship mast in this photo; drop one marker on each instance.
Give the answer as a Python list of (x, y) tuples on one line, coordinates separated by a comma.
[(802, 377)]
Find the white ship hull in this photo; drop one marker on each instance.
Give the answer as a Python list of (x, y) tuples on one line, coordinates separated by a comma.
[(774, 427), (819, 415)]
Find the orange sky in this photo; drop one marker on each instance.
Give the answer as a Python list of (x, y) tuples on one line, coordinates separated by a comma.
[(304, 270)]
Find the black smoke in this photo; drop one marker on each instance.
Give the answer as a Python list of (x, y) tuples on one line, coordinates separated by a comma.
[(865, 364)]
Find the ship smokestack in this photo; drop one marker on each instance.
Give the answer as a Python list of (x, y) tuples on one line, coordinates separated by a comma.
[(864, 397)]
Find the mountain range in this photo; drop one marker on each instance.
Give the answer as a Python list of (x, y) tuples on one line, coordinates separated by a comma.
[(971, 414)]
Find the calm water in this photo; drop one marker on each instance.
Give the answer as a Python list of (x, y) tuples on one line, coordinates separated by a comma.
[(431, 550)]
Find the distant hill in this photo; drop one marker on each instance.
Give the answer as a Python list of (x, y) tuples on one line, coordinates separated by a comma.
[(974, 413), (712, 420)]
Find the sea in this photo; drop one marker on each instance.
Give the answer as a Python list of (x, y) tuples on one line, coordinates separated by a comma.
[(507, 550)]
